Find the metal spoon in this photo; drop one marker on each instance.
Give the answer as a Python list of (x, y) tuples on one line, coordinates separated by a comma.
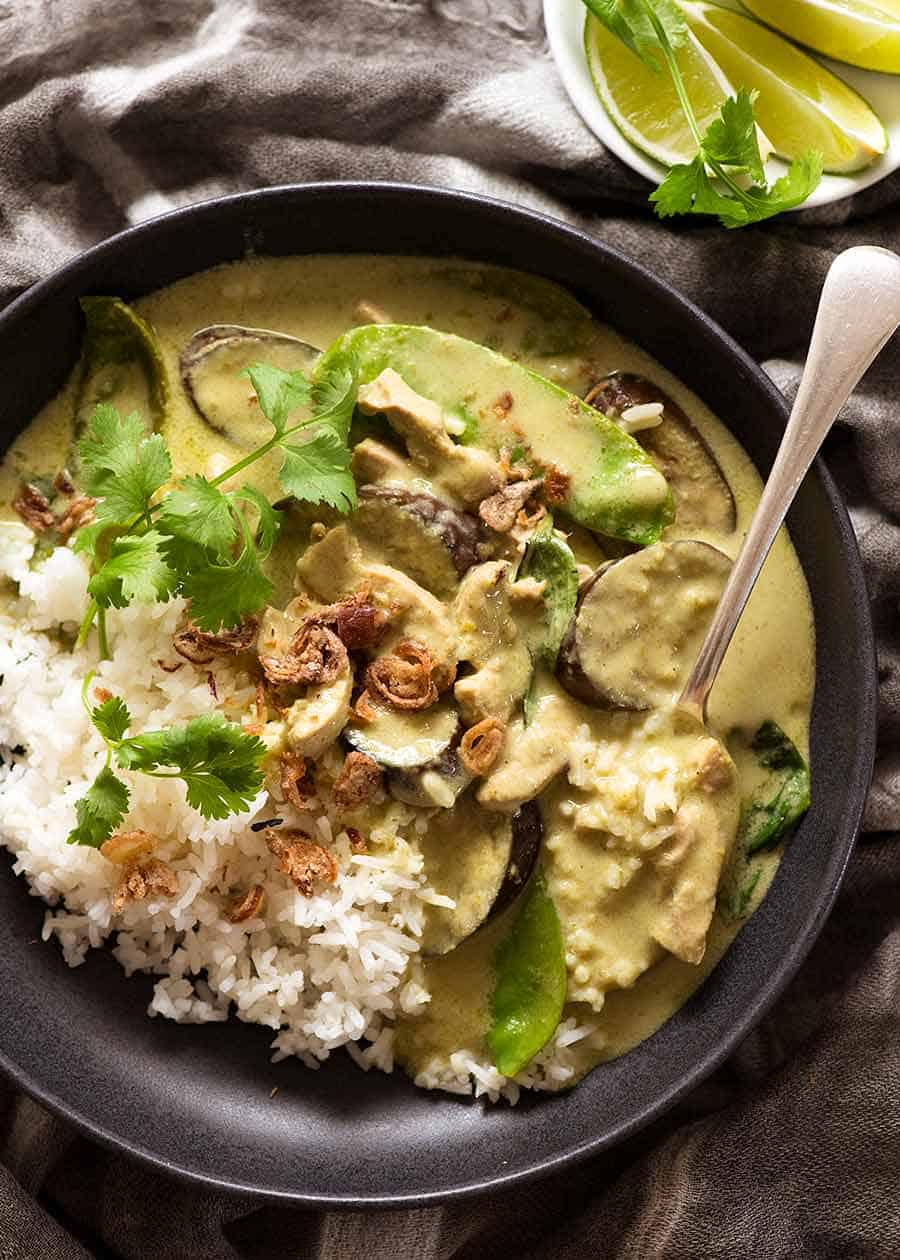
[(858, 311)]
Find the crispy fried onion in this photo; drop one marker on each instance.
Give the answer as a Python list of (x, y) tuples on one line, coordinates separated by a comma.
[(480, 746), (404, 677), (356, 621), (248, 906), (556, 485), (499, 512), (79, 512), (362, 708), (358, 842), (301, 859), (63, 483), (298, 784), (150, 878), (125, 846), (199, 647), (34, 508), (358, 781), (314, 655), (527, 521)]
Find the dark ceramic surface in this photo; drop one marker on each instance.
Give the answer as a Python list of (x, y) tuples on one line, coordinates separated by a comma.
[(195, 1100)]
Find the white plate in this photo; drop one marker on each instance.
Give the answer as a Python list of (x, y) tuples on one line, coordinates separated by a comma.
[(564, 20)]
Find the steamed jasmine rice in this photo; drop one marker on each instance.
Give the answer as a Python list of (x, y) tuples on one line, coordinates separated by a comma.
[(323, 972)]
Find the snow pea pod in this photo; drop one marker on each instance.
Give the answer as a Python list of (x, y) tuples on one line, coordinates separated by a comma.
[(530, 982)]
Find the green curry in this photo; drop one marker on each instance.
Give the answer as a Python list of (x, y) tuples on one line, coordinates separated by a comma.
[(545, 521)]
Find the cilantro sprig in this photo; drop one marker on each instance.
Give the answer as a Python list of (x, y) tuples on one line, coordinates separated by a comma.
[(726, 177), (219, 764), (198, 540)]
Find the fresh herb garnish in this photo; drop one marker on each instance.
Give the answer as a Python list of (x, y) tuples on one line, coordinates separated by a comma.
[(715, 181), (198, 541), (736, 902), (219, 764), (100, 810), (770, 816), (767, 818)]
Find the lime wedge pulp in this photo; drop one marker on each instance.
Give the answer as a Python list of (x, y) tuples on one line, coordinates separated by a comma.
[(801, 105), (644, 105), (863, 33)]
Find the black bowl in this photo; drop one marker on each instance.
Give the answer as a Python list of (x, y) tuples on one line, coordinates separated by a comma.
[(196, 1100)]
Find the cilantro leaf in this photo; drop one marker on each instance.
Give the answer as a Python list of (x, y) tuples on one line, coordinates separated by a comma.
[(688, 189), (219, 763), (632, 22), (270, 519), (203, 523), (111, 718), (136, 570), (221, 591), (91, 539), (713, 182), (732, 137), (279, 392), (334, 394), (122, 467), (319, 470), (198, 512), (676, 193), (776, 808), (110, 442), (802, 177), (100, 810)]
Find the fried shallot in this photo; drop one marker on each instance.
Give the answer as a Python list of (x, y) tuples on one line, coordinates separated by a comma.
[(499, 512), (315, 655), (298, 784), (556, 485), (480, 746), (356, 621), (126, 846), (247, 906), (34, 508), (150, 878), (199, 647), (404, 677), (301, 859), (358, 781), (79, 512)]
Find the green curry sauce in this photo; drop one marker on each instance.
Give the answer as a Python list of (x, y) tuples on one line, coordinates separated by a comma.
[(630, 960)]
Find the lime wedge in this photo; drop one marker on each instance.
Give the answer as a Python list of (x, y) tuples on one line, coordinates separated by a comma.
[(859, 32), (801, 105), (644, 105)]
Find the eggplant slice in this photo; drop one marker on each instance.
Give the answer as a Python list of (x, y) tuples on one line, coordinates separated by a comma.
[(422, 535), (211, 365), (400, 739), (703, 498), (435, 786), (640, 624), (482, 861)]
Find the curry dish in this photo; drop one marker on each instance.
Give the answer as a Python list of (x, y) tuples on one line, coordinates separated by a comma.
[(462, 670)]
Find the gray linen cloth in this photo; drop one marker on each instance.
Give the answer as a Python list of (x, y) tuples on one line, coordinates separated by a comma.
[(112, 113)]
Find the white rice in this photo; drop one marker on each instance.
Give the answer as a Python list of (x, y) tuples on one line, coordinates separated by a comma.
[(330, 970)]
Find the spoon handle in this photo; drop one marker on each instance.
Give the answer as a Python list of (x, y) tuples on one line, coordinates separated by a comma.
[(858, 311)]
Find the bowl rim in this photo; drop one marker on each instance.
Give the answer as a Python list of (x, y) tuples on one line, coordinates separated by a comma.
[(780, 975)]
